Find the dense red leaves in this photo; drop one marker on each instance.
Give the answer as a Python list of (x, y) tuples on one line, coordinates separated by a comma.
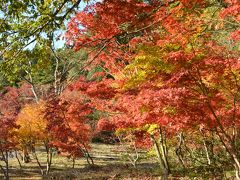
[(199, 90), (105, 125), (9, 108), (232, 12), (86, 27), (67, 124), (233, 9), (192, 3), (110, 25), (101, 90)]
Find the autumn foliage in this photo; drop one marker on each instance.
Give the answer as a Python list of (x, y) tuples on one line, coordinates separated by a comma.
[(10, 106), (32, 125), (68, 124), (168, 81), (170, 72)]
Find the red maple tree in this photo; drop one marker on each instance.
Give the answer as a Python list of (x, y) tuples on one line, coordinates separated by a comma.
[(9, 108), (168, 67), (67, 123)]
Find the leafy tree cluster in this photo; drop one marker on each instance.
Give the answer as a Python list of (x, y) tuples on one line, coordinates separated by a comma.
[(162, 75)]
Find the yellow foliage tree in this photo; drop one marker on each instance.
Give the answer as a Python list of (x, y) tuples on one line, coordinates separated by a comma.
[(32, 125), (32, 132)]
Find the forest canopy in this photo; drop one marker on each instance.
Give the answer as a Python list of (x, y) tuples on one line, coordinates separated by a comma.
[(156, 75)]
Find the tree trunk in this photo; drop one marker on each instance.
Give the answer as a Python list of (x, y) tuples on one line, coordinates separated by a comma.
[(38, 162), (7, 166), (49, 157), (160, 159), (4, 173), (178, 151), (6, 170), (230, 148), (25, 156), (30, 81), (133, 158), (73, 163), (49, 162), (205, 144), (19, 162), (207, 153), (164, 149), (87, 155), (236, 165)]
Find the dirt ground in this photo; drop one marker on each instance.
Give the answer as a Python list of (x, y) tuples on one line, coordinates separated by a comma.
[(109, 160)]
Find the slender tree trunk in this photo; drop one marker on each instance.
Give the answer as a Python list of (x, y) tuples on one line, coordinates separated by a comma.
[(160, 159), (230, 148), (49, 157), (164, 149), (178, 151), (33, 88), (7, 165), (38, 162), (25, 156), (237, 170), (87, 155), (211, 149), (19, 162), (235, 146), (134, 158), (34, 93), (236, 164), (207, 153), (6, 170), (73, 162), (56, 79), (49, 162), (209, 162)]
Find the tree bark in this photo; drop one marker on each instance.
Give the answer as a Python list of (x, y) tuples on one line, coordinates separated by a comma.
[(49, 158), (178, 151), (160, 159), (164, 149), (6, 170), (230, 148), (87, 155), (38, 162), (73, 162), (19, 162), (25, 156)]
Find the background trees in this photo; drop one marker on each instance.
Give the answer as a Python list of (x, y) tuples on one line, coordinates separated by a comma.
[(163, 73)]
